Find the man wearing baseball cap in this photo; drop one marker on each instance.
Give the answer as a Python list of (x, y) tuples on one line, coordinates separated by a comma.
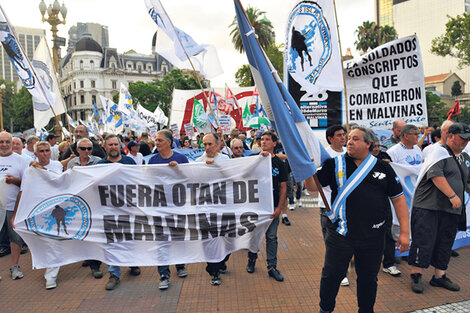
[(439, 209)]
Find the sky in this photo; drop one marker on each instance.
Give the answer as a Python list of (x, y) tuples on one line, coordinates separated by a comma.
[(207, 21)]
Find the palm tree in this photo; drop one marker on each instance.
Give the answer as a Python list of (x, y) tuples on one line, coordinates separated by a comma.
[(367, 36), (263, 29), (386, 34)]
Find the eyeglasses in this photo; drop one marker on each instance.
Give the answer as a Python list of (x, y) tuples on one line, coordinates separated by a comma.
[(45, 150), (414, 134), (85, 148)]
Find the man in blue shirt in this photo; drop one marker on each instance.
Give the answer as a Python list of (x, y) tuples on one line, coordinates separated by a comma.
[(112, 146), (165, 155)]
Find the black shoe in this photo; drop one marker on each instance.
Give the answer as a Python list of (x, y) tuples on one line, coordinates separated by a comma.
[(397, 260), (454, 253), (215, 280), (250, 267), (223, 270), (24, 249), (444, 282), (135, 271), (286, 221), (97, 273), (4, 251), (274, 273), (86, 263), (416, 283)]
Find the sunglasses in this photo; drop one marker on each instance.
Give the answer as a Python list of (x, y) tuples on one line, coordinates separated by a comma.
[(85, 148)]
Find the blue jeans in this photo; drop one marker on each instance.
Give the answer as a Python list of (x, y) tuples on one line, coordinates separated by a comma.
[(290, 188), (115, 270), (164, 270), (271, 245)]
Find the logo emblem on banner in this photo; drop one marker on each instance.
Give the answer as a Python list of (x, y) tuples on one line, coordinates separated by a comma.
[(43, 71), (62, 217)]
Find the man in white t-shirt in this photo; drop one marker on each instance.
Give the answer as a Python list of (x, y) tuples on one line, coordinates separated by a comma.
[(42, 150), (134, 153), (12, 167), (336, 137), (29, 149), (211, 147), (405, 152), (444, 130)]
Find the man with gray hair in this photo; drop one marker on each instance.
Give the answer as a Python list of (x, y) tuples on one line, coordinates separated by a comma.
[(29, 149), (407, 152), (361, 186), (237, 148)]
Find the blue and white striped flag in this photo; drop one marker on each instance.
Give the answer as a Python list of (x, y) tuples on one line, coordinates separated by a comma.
[(298, 140)]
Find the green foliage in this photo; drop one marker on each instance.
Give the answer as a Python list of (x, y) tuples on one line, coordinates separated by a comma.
[(263, 29), (159, 92), (456, 89), (274, 52), (464, 116), (370, 36), (436, 109), (455, 41), (17, 106)]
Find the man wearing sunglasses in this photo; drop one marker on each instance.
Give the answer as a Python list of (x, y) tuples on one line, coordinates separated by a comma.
[(237, 148), (84, 148)]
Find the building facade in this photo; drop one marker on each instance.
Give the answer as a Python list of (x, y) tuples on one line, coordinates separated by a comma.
[(97, 31), (91, 70), (29, 39), (427, 19), (384, 12)]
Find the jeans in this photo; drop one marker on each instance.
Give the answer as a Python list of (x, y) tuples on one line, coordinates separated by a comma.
[(164, 270), (115, 270), (271, 245), (339, 251), (290, 188)]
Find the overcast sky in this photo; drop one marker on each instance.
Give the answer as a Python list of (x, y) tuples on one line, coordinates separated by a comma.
[(207, 21)]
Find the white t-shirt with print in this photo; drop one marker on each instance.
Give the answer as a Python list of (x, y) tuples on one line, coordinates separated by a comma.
[(14, 165), (402, 155)]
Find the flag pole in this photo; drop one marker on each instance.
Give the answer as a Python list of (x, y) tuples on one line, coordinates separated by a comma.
[(13, 32), (196, 78), (273, 72), (342, 69)]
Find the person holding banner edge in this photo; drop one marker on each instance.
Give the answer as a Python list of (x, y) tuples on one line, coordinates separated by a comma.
[(361, 187)]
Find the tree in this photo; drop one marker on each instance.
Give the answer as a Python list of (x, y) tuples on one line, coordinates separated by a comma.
[(370, 35), (456, 89), (436, 109), (455, 41), (274, 52), (263, 29)]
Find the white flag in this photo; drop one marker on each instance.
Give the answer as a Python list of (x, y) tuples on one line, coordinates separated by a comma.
[(160, 116), (44, 67), (125, 100), (173, 44)]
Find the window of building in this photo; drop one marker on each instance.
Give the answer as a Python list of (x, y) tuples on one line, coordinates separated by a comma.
[(114, 84), (82, 115), (74, 85), (82, 84), (93, 99), (129, 66), (92, 65), (82, 99), (81, 64), (164, 68), (93, 84), (139, 68), (149, 67)]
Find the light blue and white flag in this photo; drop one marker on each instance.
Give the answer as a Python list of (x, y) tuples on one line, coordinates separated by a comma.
[(125, 100), (174, 44), (298, 140)]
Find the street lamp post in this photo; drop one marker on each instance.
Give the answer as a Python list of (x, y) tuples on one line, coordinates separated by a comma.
[(2, 91), (53, 19)]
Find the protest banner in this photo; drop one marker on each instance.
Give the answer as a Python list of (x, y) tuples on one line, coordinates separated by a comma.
[(189, 130), (175, 130), (312, 63), (387, 84), (146, 115), (224, 123), (145, 215)]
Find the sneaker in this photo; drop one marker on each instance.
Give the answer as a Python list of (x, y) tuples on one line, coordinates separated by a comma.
[(392, 270), (24, 249), (286, 221), (112, 282), (182, 272), (164, 283), (4, 251), (51, 283), (250, 267), (215, 280), (291, 207), (444, 282), (345, 282), (299, 203), (16, 272), (97, 273), (416, 283), (135, 271), (274, 273)]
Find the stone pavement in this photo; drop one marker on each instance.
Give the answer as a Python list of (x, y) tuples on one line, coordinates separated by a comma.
[(301, 252)]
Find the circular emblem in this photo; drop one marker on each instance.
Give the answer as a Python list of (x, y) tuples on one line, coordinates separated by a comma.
[(43, 72), (340, 174), (61, 217), (467, 163)]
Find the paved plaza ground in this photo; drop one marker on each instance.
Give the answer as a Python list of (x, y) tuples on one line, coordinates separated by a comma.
[(301, 253)]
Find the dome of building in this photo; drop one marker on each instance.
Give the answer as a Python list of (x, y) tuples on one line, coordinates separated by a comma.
[(86, 43)]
